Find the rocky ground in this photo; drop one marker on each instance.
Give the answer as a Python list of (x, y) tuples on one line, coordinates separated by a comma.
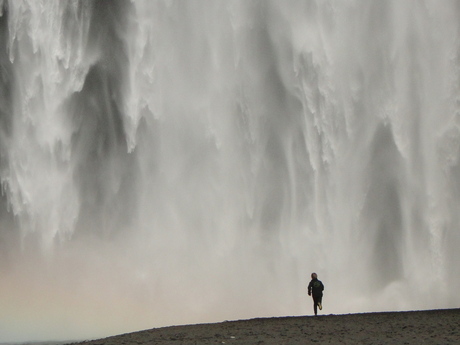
[(416, 327)]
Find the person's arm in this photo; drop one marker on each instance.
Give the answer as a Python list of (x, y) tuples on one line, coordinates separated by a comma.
[(309, 289)]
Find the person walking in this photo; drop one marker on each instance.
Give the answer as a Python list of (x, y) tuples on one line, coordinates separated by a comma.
[(315, 289)]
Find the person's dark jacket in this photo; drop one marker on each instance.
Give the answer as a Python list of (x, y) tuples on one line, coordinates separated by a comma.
[(315, 287)]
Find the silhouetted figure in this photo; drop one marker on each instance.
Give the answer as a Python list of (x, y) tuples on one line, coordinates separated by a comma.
[(315, 289)]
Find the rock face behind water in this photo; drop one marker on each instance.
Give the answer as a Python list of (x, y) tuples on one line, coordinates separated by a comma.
[(417, 327)]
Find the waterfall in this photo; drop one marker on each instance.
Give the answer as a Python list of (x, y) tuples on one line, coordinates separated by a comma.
[(167, 162)]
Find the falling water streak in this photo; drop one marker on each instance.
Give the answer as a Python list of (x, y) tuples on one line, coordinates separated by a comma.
[(162, 156)]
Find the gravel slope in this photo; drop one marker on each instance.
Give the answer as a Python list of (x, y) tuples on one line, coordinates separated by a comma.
[(416, 327)]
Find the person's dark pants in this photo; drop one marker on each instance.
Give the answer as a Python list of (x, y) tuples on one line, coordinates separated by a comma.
[(316, 300)]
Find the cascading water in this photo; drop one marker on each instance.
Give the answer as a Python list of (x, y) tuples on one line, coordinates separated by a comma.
[(168, 162)]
